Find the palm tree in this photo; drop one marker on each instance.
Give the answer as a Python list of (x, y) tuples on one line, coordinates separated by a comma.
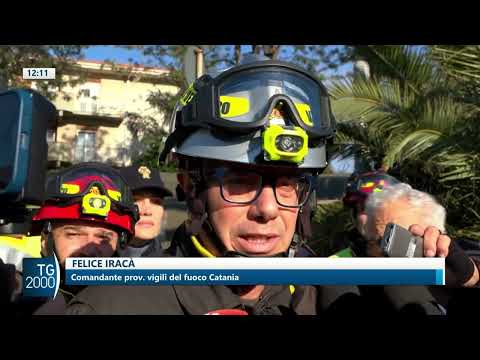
[(460, 155), (413, 117)]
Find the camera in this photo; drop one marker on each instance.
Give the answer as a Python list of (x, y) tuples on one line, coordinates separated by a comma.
[(24, 119)]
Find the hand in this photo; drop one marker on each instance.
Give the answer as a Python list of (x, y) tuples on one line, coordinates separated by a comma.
[(434, 242), (461, 270)]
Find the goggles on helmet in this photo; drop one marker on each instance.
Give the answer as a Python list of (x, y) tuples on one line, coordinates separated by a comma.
[(287, 104), (98, 187), (361, 186), (374, 183), (243, 99)]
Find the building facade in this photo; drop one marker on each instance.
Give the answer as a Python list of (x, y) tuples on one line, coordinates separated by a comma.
[(93, 116)]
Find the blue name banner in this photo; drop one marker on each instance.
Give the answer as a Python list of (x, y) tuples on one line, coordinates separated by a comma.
[(250, 271)]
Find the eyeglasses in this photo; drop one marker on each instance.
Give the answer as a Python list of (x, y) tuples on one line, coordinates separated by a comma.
[(244, 187)]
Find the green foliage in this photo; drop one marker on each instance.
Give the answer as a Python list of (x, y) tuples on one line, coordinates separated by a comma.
[(316, 58), (149, 135), (149, 157), (461, 62), (13, 58), (330, 222), (415, 117)]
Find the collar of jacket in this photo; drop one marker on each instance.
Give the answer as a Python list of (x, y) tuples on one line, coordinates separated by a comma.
[(199, 300)]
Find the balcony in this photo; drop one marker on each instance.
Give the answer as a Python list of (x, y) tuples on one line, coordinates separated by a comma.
[(94, 107)]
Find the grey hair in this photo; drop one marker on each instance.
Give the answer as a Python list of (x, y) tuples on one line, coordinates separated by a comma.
[(430, 208)]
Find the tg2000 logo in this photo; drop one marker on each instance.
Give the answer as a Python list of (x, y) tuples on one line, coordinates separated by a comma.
[(41, 277)]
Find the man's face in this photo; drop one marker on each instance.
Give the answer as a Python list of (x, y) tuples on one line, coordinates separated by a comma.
[(151, 215), (261, 228), (398, 212), (81, 238)]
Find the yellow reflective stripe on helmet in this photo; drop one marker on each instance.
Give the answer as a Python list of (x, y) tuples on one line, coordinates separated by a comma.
[(115, 195), (70, 189), (188, 95), (367, 185), (379, 187), (231, 106), (305, 113)]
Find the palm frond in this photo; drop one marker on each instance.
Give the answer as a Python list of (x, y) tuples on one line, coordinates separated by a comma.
[(404, 63), (443, 114), (384, 106), (413, 145), (461, 63)]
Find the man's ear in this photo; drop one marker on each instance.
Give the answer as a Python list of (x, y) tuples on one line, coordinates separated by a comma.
[(181, 180), (361, 222), (185, 182), (43, 244)]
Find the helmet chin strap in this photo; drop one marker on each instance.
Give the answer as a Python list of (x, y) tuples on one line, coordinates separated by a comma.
[(47, 230), (123, 239), (200, 223), (198, 208), (301, 231)]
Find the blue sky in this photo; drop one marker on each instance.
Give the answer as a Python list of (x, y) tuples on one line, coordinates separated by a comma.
[(120, 55), (339, 164)]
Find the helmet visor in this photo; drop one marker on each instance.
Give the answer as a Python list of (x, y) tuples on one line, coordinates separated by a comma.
[(375, 183), (247, 98)]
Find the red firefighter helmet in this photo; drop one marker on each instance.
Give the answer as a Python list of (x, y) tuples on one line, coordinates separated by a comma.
[(92, 192), (360, 186)]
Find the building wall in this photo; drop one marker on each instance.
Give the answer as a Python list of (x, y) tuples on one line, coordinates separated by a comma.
[(108, 97), (115, 96)]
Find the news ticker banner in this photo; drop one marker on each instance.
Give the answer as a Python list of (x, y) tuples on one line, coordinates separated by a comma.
[(42, 276), (250, 271)]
